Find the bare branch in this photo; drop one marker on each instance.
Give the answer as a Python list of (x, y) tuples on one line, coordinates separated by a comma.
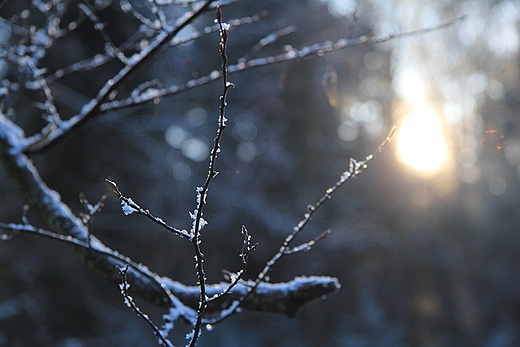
[(91, 109), (129, 301), (127, 7), (283, 298), (269, 39), (304, 247), (202, 192), (101, 59), (97, 60), (355, 168), (289, 55), (235, 278), (110, 47), (40, 83), (129, 207), (90, 210)]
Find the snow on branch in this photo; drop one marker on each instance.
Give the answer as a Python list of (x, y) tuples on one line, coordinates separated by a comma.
[(355, 168), (282, 298), (68, 228), (202, 303), (285, 298)]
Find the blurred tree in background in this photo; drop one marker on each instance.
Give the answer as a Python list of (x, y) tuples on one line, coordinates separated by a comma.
[(425, 243)]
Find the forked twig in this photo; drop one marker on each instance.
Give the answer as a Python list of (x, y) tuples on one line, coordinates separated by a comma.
[(91, 109), (129, 301), (355, 168), (289, 55), (235, 278)]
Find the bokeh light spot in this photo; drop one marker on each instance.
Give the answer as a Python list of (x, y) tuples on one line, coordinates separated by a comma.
[(497, 185), (246, 151), (196, 116), (175, 136), (181, 171), (195, 149)]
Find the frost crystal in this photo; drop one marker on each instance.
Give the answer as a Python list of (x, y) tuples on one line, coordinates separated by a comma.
[(190, 335), (127, 209), (150, 93), (128, 301)]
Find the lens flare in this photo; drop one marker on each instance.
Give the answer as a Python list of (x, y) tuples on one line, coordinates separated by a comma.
[(420, 142)]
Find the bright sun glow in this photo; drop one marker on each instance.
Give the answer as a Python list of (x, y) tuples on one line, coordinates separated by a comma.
[(420, 142)]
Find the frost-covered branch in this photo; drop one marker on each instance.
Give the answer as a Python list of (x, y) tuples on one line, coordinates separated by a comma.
[(133, 42), (355, 168), (97, 60), (129, 301), (269, 39), (59, 217), (203, 303), (290, 55), (91, 109), (281, 298), (129, 207), (307, 245), (110, 47), (202, 192), (235, 278), (90, 211), (65, 227)]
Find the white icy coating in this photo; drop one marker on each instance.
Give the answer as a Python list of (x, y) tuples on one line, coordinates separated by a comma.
[(242, 288), (13, 134), (127, 209), (150, 93)]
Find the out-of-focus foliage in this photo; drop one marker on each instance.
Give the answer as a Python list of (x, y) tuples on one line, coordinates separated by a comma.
[(425, 259)]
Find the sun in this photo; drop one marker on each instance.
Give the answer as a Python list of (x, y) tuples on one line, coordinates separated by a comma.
[(421, 143)]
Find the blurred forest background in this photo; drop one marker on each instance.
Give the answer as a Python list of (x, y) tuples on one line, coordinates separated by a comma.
[(425, 242)]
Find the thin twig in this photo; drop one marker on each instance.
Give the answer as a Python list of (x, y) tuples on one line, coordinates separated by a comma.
[(355, 168), (129, 207), (202, 192), (307, 245), (235, 278), (96, 247), (129, 301), (269, 39), (103, 58), (90, 211), (292, 54), (110, 47), (91, 109)]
